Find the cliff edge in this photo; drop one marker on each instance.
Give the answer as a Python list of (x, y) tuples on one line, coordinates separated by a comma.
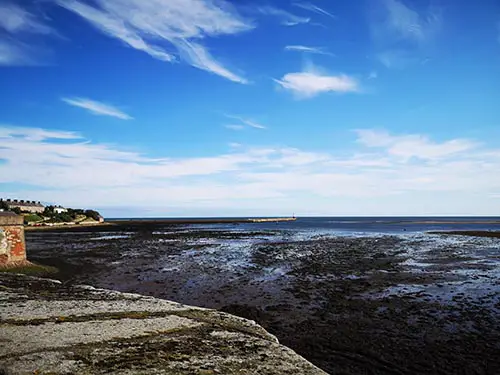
[(50, 328)]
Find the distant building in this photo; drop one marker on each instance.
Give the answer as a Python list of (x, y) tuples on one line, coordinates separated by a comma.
[(60, 209), (27, 206)]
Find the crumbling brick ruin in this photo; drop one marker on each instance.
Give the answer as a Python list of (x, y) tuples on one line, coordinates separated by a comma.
[(12, 245)]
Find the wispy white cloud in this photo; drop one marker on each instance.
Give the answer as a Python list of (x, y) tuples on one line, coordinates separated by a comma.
[(181, 24), (12, 53), (401, 21), (36, 134), (15, 19), (234, 126), (287, 18), (409, 146), (97, 108), (397, 58), (307, 49), (403, 34), (314, 8), (309, 84), (18, 24), (253, 124), (245, 121), (89, 165), (401, 171), (373, 75), (199, 57)]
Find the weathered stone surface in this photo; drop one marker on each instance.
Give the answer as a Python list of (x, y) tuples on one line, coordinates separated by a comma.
[(10, 218), (12, 245), (50, 328)]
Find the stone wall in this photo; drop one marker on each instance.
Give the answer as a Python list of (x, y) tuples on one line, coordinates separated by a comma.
[(12, 245)]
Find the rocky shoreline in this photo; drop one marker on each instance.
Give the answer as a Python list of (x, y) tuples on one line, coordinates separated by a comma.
[(423, 303), (47, 327), (470, 233)]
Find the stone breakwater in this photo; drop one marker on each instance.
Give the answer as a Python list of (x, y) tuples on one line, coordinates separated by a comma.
[(47, 327), (272, 220)]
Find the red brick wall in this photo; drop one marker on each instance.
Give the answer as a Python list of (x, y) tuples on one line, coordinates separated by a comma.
[(16, 247)]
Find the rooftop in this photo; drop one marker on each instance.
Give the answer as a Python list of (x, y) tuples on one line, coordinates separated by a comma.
[(23, 203)]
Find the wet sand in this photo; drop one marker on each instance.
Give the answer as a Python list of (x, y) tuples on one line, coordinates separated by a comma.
[(420, 303)]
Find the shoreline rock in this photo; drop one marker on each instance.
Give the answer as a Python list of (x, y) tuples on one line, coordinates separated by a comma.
[(469, 233), (49, 327)]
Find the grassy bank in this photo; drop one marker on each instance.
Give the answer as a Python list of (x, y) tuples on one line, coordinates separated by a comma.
[(32, 269)]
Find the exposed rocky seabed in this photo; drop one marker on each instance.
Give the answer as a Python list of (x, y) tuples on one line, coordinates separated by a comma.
[(350, 304)]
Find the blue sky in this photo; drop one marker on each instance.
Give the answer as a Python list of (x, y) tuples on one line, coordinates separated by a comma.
[(207, 108)]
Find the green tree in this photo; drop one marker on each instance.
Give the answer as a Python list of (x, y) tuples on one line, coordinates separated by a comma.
[(32, 218), (4, 206), (92, 214), (48, 211), (64, 217), (71, 212)]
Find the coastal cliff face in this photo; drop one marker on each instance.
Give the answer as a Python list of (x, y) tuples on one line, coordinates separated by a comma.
[(50, 328)]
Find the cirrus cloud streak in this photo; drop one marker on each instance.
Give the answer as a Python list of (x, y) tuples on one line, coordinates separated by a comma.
[(97, 108), (162, 27)]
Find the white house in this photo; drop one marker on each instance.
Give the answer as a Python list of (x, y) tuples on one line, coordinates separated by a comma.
[(60, 210)]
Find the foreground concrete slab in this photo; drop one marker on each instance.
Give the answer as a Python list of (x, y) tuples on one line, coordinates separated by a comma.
[(50, 328)]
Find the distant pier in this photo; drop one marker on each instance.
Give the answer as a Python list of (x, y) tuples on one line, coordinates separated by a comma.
[(147, 224), (271, 219), (207, 220)]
